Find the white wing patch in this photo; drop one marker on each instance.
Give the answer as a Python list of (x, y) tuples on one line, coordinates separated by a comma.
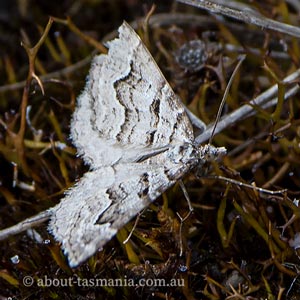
[(105, 199), (133, 131), (127, 107)]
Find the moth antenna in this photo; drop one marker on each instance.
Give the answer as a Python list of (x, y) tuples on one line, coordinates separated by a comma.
[(182, 219), (241, 59)]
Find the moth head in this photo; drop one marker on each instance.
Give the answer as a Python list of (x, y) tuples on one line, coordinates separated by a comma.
[(211, 153), (208, 154)]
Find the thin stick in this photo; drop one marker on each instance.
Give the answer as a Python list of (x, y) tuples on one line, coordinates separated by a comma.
[(60, 73), (238, 183), (263, 101), (26, 224), (195, 120), (246, 15)]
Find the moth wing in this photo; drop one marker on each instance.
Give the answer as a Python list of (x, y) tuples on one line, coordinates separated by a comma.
[(127, 109), (103, 201)]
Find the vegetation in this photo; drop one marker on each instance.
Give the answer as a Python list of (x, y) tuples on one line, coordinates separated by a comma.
[(240, 242)]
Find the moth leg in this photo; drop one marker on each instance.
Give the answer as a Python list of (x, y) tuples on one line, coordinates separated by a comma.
[(134, 226), (183, 219)]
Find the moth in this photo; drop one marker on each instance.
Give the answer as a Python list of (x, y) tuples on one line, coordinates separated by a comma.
[(134, 133)]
